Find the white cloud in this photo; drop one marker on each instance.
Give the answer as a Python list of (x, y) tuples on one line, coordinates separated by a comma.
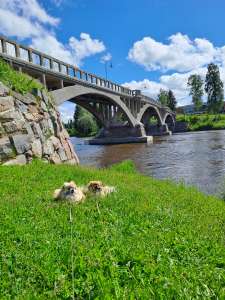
[(181, 53), (106, 57), (50, 45), (28, 19), (29, 9), (177, 82), (67, 111), (15, 25), (85, 47)]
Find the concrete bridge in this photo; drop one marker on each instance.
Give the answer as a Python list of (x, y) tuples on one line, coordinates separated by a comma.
[(125, 115)]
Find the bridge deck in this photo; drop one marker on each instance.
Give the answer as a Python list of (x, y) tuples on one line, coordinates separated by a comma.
[(56, 74)]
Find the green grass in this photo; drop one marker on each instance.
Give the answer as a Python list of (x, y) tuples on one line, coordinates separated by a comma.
[(203, 121), (150, 240), (17, 81)]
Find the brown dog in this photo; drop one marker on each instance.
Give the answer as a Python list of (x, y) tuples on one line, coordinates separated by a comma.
[(69, 192), (96, 188)]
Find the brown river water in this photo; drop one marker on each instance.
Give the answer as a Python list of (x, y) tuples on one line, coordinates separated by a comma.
[(196, 159)]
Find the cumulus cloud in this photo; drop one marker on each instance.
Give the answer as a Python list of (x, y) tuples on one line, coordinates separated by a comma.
[(85, 46), (27, 19), (177, 82), (15, 25), (180, 53), (106, 57), (66, 111), (180, 58), (29, 9)]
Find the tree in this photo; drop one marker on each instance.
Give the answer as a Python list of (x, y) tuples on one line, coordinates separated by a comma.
[(84, 123), (214, 89), (171, 101), (163, 97), (78, 113), (196, 90)]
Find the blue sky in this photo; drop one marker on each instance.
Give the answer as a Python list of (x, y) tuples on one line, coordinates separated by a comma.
[(153, 44)]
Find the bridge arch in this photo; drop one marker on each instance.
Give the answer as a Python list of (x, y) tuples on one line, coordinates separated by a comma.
[(149, 110), (94, 101), (170, 121)]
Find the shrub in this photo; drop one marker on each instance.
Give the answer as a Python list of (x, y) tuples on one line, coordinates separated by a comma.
[(203, 121), (17, 81)]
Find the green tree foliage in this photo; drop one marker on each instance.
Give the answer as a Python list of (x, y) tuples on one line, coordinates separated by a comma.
[(195, 83), (171, 101), (78, 113), (214, 89), (163, 97), (84, 124)]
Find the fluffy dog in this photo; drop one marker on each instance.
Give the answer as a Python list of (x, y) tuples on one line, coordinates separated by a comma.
[(97, 188), (69, 192)]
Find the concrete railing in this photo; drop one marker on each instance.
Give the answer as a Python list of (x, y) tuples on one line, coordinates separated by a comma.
[(12, 49)]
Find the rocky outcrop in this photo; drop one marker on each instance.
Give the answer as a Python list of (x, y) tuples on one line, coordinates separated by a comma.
[(30, 127)]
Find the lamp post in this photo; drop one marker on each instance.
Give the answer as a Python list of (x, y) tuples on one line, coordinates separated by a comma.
[(106, 68)]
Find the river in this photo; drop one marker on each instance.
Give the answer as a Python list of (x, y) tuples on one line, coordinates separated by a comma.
[(196, 158)]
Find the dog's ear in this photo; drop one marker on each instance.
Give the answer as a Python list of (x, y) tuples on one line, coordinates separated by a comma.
[(66, 184), (73, 183), (90, 183), (98, 184)]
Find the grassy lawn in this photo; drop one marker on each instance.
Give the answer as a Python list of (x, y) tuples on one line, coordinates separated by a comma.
[(203, 121), (150, 240)]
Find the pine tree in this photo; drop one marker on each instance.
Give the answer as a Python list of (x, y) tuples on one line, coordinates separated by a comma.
[(171, 101), (214, 89), (163, 97), (196, 90)]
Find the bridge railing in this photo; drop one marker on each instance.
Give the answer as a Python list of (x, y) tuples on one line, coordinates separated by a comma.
[(137, 93), (13, 50)]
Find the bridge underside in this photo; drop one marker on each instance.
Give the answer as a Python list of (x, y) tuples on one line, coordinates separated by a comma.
[(116, 125), (124, 118), (119, 117)]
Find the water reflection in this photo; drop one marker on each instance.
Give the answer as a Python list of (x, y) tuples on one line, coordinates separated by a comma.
[(195, 158)]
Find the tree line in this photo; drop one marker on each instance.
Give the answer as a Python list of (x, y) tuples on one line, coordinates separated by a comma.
[(212, 85)]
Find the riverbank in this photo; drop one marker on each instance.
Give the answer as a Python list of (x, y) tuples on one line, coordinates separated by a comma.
[(152, 239), (201, 122)]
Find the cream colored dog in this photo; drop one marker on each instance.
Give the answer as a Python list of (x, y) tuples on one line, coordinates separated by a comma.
[(97, 188), (69, 192)]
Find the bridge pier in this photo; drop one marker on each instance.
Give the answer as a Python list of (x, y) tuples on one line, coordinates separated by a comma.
[(157, 130), (121, 134)]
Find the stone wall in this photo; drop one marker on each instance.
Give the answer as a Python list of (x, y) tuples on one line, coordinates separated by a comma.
[(30, 127)]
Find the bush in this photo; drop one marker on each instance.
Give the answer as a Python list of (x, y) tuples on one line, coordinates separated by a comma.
[(203, 121), (17, 81)]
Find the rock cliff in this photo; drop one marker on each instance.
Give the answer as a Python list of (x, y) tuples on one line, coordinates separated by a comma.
[(30, 127)]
